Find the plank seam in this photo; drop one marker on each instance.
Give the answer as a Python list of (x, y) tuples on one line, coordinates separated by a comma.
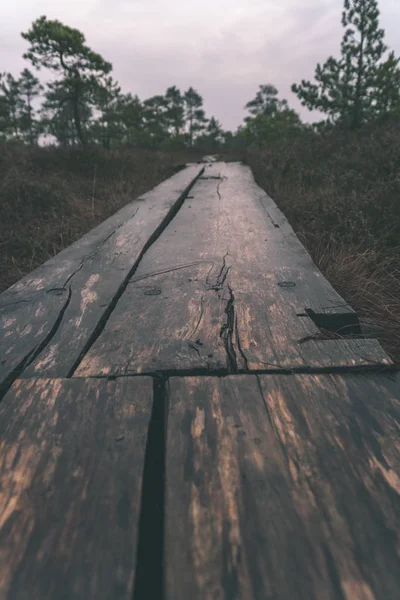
[(29, 358), (111, 306), (224, 372), (149, 572)]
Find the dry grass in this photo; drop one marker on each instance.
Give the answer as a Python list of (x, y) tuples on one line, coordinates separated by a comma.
[(342, 196), (51, 197)]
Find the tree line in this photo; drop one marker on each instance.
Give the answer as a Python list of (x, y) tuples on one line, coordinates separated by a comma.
[(83, 104), (361, 86)]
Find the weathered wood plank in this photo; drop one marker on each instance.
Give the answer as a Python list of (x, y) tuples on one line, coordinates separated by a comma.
[(61, 267), (72, 454), (283, 486), (171, 325), (27, 320), (225, 289), (91, 277)]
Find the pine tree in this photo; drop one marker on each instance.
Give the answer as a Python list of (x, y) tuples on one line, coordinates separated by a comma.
[(344, 88), (270, 118), (386, 94), (59, 113), (214, 134), (12, 105), (30, 88), (63, 50), (155, 120), (175, 112), (266, 102), (194, 114), (4, 120), (131, 113), (108, 126)]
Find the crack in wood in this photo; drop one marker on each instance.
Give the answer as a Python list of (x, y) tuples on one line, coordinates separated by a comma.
[(121, 289), (239, 347), (200, 317), (32, 355), (86, 258), (171, 270), (227, 331), (2, 306), (218, 186), (15, 373), (221, 277)]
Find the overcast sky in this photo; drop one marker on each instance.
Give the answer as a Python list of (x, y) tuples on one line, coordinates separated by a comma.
[(223, 48)]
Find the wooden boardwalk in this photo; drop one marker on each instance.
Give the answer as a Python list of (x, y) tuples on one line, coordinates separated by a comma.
[(190, 411)]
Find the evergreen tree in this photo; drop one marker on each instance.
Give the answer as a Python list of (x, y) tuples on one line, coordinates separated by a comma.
[(270, 119), (212, 137), (386, 94), (12, 105), (344, 88), (214, 134), (63, 50), (4, 120), (155, 120), (131, 113), (58, 113), (194, 114), (264, 130), (175, 111), (107, 128), (266, 102), (30, 88)]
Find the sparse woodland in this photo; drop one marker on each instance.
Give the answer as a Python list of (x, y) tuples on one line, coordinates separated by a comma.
[(74, 147)]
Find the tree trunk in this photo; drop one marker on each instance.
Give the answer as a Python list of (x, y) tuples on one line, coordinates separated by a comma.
[(31, 136), (191, 129), (14, 122), (78, 124), (77, 114), (357, 116)]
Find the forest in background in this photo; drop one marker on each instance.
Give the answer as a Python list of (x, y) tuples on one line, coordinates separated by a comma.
[(336, 180)]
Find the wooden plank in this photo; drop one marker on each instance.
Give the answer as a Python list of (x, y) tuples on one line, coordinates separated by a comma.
[(224, 289), (27, 321), (96, 279), (283, 486), (60, 268), (72, 454)]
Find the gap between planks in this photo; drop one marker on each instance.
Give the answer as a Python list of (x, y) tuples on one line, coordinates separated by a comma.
[(29, 357)]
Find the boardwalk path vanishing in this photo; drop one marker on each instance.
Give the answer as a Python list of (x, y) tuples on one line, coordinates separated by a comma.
[(190, 411)]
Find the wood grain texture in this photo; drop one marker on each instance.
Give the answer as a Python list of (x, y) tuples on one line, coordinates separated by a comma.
[(93, 275), (71, 462), (227, 288), (27, 320), (283, 486), (54, 272)]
